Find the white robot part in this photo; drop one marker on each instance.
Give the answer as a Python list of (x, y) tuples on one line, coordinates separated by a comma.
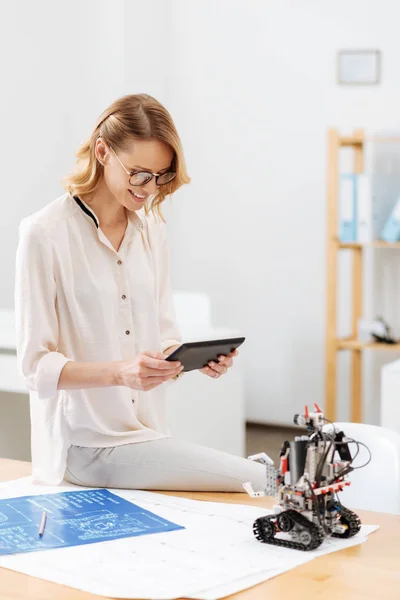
[(262, 457), (249, 489), (270, 476)]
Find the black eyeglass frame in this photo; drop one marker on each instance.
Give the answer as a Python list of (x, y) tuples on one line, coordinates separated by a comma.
[(149, 174)]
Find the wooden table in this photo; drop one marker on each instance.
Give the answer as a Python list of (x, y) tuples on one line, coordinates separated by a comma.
[(370, 570)]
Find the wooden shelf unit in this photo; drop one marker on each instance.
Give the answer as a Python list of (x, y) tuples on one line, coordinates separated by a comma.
[(333, 343), (350, 344)]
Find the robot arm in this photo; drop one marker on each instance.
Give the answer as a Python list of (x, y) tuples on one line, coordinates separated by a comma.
[(270, 477), (262, 457)]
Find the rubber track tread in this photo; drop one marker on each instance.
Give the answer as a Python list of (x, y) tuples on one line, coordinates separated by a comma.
[(299, 519)]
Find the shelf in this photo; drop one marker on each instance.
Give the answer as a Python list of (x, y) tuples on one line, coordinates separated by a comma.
[(353, 140), (354, 144), (350, 344), (359, 140), (375, 244)]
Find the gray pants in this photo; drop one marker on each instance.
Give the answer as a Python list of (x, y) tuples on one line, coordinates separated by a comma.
[(163, 464)]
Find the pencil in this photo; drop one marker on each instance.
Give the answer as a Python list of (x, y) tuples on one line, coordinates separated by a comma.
[(42, 524)]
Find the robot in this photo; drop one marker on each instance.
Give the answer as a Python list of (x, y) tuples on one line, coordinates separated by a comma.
[(313, 470)]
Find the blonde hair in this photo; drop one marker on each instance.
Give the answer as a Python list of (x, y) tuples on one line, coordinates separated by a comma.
[(136, 116)]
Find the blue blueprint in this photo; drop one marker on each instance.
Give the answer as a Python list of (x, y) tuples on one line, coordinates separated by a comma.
[(73, 518)]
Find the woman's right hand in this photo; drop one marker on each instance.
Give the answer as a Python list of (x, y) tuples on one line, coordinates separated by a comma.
[(146, 371)]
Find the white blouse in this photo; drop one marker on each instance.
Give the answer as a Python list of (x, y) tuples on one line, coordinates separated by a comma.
[(77, 298)]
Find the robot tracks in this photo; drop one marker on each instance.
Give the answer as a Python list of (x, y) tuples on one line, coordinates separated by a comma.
[(309, 535), (351, 521)]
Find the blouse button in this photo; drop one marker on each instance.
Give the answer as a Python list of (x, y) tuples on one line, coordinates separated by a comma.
[(123, 297), (120, 262), (127, 332), (133, 400)]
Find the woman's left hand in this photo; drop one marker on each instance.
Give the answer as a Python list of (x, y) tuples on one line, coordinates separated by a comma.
[(215, 370)]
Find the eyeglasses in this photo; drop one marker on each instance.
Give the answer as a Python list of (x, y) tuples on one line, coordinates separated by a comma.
[(137, 178)]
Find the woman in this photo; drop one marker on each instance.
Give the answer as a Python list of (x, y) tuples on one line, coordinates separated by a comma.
[(95, 317)]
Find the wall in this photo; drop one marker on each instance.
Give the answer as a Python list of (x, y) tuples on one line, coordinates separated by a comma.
[(63, 67), (147, 41), (66, 63), (254, 93), (251, 86)]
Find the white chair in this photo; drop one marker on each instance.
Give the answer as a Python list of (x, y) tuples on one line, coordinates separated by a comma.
[(377, 485)]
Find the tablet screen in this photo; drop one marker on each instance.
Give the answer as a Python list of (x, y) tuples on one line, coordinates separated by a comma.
[(196, 355)]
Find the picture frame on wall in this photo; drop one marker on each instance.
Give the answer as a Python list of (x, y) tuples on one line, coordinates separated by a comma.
[(359, 67)]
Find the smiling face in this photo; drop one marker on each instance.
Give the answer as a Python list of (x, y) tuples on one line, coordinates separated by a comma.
[(139, 155)]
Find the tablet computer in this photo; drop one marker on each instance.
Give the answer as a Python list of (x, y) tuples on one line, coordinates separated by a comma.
[(196, 355)]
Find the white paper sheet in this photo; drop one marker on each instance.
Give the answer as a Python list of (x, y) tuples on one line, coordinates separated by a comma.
[(214, 556)]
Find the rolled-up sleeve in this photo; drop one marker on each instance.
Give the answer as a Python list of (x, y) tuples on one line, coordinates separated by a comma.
[(37, 331)]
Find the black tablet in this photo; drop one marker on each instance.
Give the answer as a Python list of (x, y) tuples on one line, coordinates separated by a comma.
[(196, 355)]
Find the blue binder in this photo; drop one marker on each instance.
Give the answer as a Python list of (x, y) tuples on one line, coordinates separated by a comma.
[(391, 230), (348, 207)]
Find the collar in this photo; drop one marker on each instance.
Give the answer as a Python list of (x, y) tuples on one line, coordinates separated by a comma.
[(132, 216), (87, 210)]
